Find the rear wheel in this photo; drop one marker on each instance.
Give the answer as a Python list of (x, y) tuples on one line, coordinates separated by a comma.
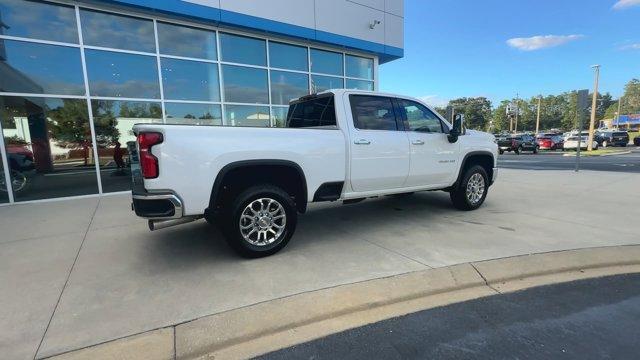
[(261, 221), (518, 150), (470, 193), (501, 151), (605, 144), (535, 150)]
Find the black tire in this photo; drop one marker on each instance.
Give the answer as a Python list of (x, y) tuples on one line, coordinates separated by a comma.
[(501, 151), (535, 150), (518, 150), (230, 221), (459, 193)]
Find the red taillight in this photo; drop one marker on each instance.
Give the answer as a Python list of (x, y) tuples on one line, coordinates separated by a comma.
[(148, 162)]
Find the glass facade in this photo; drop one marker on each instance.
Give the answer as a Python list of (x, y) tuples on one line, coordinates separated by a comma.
[(74, 80)]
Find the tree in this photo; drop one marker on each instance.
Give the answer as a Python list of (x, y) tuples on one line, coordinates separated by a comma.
[(477, 111), (69, 126), (631, 97)]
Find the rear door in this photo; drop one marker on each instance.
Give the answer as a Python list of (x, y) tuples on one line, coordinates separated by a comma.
[(433, 157), (379, 147)]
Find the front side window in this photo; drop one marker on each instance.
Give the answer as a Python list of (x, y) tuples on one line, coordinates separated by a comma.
[(315, 112), (373, 113), (419, 118)]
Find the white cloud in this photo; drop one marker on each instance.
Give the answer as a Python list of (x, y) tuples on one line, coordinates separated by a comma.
[(623, 4), (434, 100), (541, 41), (630, 47)]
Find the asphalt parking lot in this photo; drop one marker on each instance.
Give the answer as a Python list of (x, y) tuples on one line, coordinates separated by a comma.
[(554, 160), (587, 319), (80, 272)]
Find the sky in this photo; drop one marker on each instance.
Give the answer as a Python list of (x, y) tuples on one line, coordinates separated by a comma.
[(500, 48)]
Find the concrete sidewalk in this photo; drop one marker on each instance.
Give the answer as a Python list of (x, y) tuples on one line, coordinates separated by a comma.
[(81, 272)]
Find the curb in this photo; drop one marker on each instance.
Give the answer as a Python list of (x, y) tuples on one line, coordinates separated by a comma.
[(274, 324)]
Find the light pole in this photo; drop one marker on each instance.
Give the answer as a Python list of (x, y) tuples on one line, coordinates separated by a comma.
[(538, 117), (593, 107), (517, 111), (618, 113)]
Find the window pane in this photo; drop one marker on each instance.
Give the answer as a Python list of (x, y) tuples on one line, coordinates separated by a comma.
[(288, 56), (315, 112), (321, 83), (372, 113), (279, 115), (359, 67), (326, 62), (186, 41), (286, 86), (38, 20), (40, 69), (419, 118), (193, 114), (245, 85), (243, 50), (49, 147), (190, 80), (113, 122), (359, 84), (246, 115), (117, 31), (122, 75), (3, 185)]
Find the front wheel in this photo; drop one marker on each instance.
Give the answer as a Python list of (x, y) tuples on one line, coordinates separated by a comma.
[(518, 150), (470, 193), (261, 221)]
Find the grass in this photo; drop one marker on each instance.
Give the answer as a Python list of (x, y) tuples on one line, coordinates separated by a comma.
[(633, 135), (598, 152)]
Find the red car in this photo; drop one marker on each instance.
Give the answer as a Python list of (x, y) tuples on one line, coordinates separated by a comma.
[(549, 142)]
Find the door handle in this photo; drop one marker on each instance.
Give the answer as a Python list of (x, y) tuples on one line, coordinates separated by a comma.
[(417, 142), (362, 142)]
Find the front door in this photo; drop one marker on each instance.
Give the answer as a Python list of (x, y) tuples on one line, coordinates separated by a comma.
[(433, 157), (379, 149)]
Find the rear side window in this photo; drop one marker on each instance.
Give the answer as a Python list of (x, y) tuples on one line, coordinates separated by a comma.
[(373, 112), (620, 134), (315, 112)]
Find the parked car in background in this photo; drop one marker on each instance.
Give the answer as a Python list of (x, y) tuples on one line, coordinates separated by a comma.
[(572, 143), (517, 143), (614, 138), (549, 141), (636, 141)]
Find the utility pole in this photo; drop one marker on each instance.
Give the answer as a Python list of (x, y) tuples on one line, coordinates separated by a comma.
[(517, 111), (618, 113), (538, 117), (593, 107)]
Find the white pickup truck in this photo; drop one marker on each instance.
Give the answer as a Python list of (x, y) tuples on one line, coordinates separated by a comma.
[(339, 145)]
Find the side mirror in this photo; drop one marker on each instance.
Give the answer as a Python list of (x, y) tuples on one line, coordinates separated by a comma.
[(457, 129)]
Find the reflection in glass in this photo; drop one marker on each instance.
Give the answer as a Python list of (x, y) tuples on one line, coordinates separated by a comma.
[(359, 84), (286, 86), (279, 115), (113, 122), (326, 62), (4, 197), (36, 20), (286, 56), (122, 75), (186, 41), (243, 50), (321, 83), (193, 114), (359, 67), (117, 31), (247, 115), (38, 68), (190, 80), (245, 85), (49, 148)]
